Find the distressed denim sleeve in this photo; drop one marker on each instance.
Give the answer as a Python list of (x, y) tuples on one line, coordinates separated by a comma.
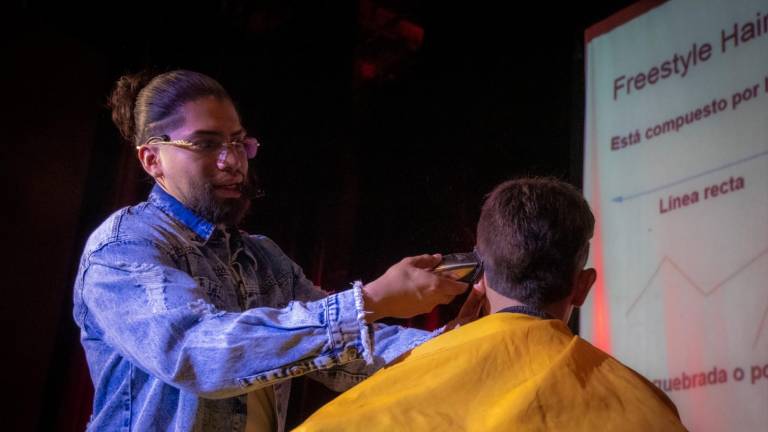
[(155, 315), (389, 341)]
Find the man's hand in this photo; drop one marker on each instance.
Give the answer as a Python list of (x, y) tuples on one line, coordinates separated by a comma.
[(409, 288)]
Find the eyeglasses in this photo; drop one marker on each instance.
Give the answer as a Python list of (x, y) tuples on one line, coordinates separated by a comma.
[(245, 146)]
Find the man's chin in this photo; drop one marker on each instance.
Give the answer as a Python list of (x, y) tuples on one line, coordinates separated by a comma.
[(231, 211), (220, 207)]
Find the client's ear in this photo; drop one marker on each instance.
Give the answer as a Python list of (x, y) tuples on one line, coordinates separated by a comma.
[(482, 286), (584, 281)]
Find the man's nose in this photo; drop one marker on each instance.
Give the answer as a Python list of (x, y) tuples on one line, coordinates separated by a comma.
[(229, 159)]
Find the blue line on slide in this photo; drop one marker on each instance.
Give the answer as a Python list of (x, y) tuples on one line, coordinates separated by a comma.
[(619, 199)]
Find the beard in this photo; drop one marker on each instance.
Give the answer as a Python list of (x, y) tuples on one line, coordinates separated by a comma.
[(219, 211)]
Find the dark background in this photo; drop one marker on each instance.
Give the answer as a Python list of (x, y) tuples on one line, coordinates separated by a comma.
[(383, 125)]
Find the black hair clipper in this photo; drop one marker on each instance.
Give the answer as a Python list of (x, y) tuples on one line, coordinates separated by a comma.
[(462, 267)]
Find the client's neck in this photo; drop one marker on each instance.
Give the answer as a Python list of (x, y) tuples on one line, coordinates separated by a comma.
[(498, 302)]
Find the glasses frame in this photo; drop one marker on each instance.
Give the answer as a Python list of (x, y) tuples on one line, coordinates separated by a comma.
[(248, 145)]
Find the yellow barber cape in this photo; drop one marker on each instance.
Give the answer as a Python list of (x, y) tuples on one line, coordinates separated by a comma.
[(504, 372)]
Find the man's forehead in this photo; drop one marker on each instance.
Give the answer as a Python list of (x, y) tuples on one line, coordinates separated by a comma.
[(210, 114)]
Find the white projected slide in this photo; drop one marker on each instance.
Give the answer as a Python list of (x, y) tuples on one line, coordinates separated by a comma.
[(676, 169)]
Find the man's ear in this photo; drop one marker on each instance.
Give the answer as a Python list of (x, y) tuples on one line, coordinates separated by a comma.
[(584, 281), (482, 286), (151, 161)]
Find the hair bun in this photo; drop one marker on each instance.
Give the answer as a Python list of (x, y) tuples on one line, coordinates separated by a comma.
[(123, 100)]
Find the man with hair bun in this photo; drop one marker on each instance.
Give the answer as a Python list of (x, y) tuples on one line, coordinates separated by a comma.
[(190, 324), (519, 368)]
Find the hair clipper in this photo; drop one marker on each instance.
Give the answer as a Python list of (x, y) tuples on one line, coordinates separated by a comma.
[(462, 267)]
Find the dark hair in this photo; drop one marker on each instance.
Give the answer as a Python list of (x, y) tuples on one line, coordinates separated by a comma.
[(531, 236), (144, 105)]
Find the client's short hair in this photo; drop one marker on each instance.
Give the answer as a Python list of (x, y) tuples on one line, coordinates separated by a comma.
[(532, 235)]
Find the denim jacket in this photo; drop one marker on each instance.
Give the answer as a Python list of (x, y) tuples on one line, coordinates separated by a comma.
[(179, 322)]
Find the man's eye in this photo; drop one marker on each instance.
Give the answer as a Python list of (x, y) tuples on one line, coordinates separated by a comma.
[(206, 144)]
